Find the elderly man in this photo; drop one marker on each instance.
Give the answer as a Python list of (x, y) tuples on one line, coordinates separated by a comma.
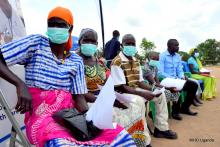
[(128, 78)]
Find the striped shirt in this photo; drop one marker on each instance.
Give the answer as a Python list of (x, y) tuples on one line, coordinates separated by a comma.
[(126, 72), (42, 68)]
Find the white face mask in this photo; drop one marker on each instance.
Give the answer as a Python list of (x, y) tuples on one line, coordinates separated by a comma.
[(196, 54)]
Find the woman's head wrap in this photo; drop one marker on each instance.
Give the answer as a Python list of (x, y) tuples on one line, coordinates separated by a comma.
[(65, 14)]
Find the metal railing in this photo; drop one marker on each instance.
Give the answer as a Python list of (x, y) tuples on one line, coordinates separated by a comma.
[(15, 126)]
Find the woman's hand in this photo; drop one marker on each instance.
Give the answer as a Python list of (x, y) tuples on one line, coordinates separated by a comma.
[(24, 103), (81, 104)]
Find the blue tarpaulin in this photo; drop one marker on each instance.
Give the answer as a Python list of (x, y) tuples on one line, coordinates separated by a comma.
[(75, 43)]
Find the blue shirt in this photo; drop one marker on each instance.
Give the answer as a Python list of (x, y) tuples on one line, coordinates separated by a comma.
[(193, 61), (42, 68), (170, 65)]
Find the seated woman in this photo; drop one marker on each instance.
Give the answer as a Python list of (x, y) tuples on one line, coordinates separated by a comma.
[(130, 115), (195, 65), (55, 80)]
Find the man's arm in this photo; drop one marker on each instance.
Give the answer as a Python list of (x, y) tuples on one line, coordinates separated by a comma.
[(148, 95), (141, 83), (156, 77), (191, 69), (144, 86), (117, 46), (120, 84)]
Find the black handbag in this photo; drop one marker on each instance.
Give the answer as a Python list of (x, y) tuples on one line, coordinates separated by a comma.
[(76, 122)]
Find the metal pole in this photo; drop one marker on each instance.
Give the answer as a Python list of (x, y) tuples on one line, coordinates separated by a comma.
[(13, 121), (102, 24)]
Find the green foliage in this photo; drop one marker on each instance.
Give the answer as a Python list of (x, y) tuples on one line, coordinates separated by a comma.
[(146, 47), (140, 58), (185, 56), (209, 51)]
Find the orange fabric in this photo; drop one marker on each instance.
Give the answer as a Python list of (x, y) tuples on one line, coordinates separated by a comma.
[(137, 126), (66, 15)]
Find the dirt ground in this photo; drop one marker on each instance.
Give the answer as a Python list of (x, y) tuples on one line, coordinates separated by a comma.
[(202, 130)]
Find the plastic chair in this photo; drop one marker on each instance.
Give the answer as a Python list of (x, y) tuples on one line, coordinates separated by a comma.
[(8, 100), (185, 67), (153, 109), (188, 74), (169, 104)]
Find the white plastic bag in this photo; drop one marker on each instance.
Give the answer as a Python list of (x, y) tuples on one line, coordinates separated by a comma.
[(101, 111)]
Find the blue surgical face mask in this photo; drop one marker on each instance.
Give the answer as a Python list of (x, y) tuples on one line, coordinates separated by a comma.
[(58, 35), (129, 50), (88, 49), (154, 63), (196, 55)]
